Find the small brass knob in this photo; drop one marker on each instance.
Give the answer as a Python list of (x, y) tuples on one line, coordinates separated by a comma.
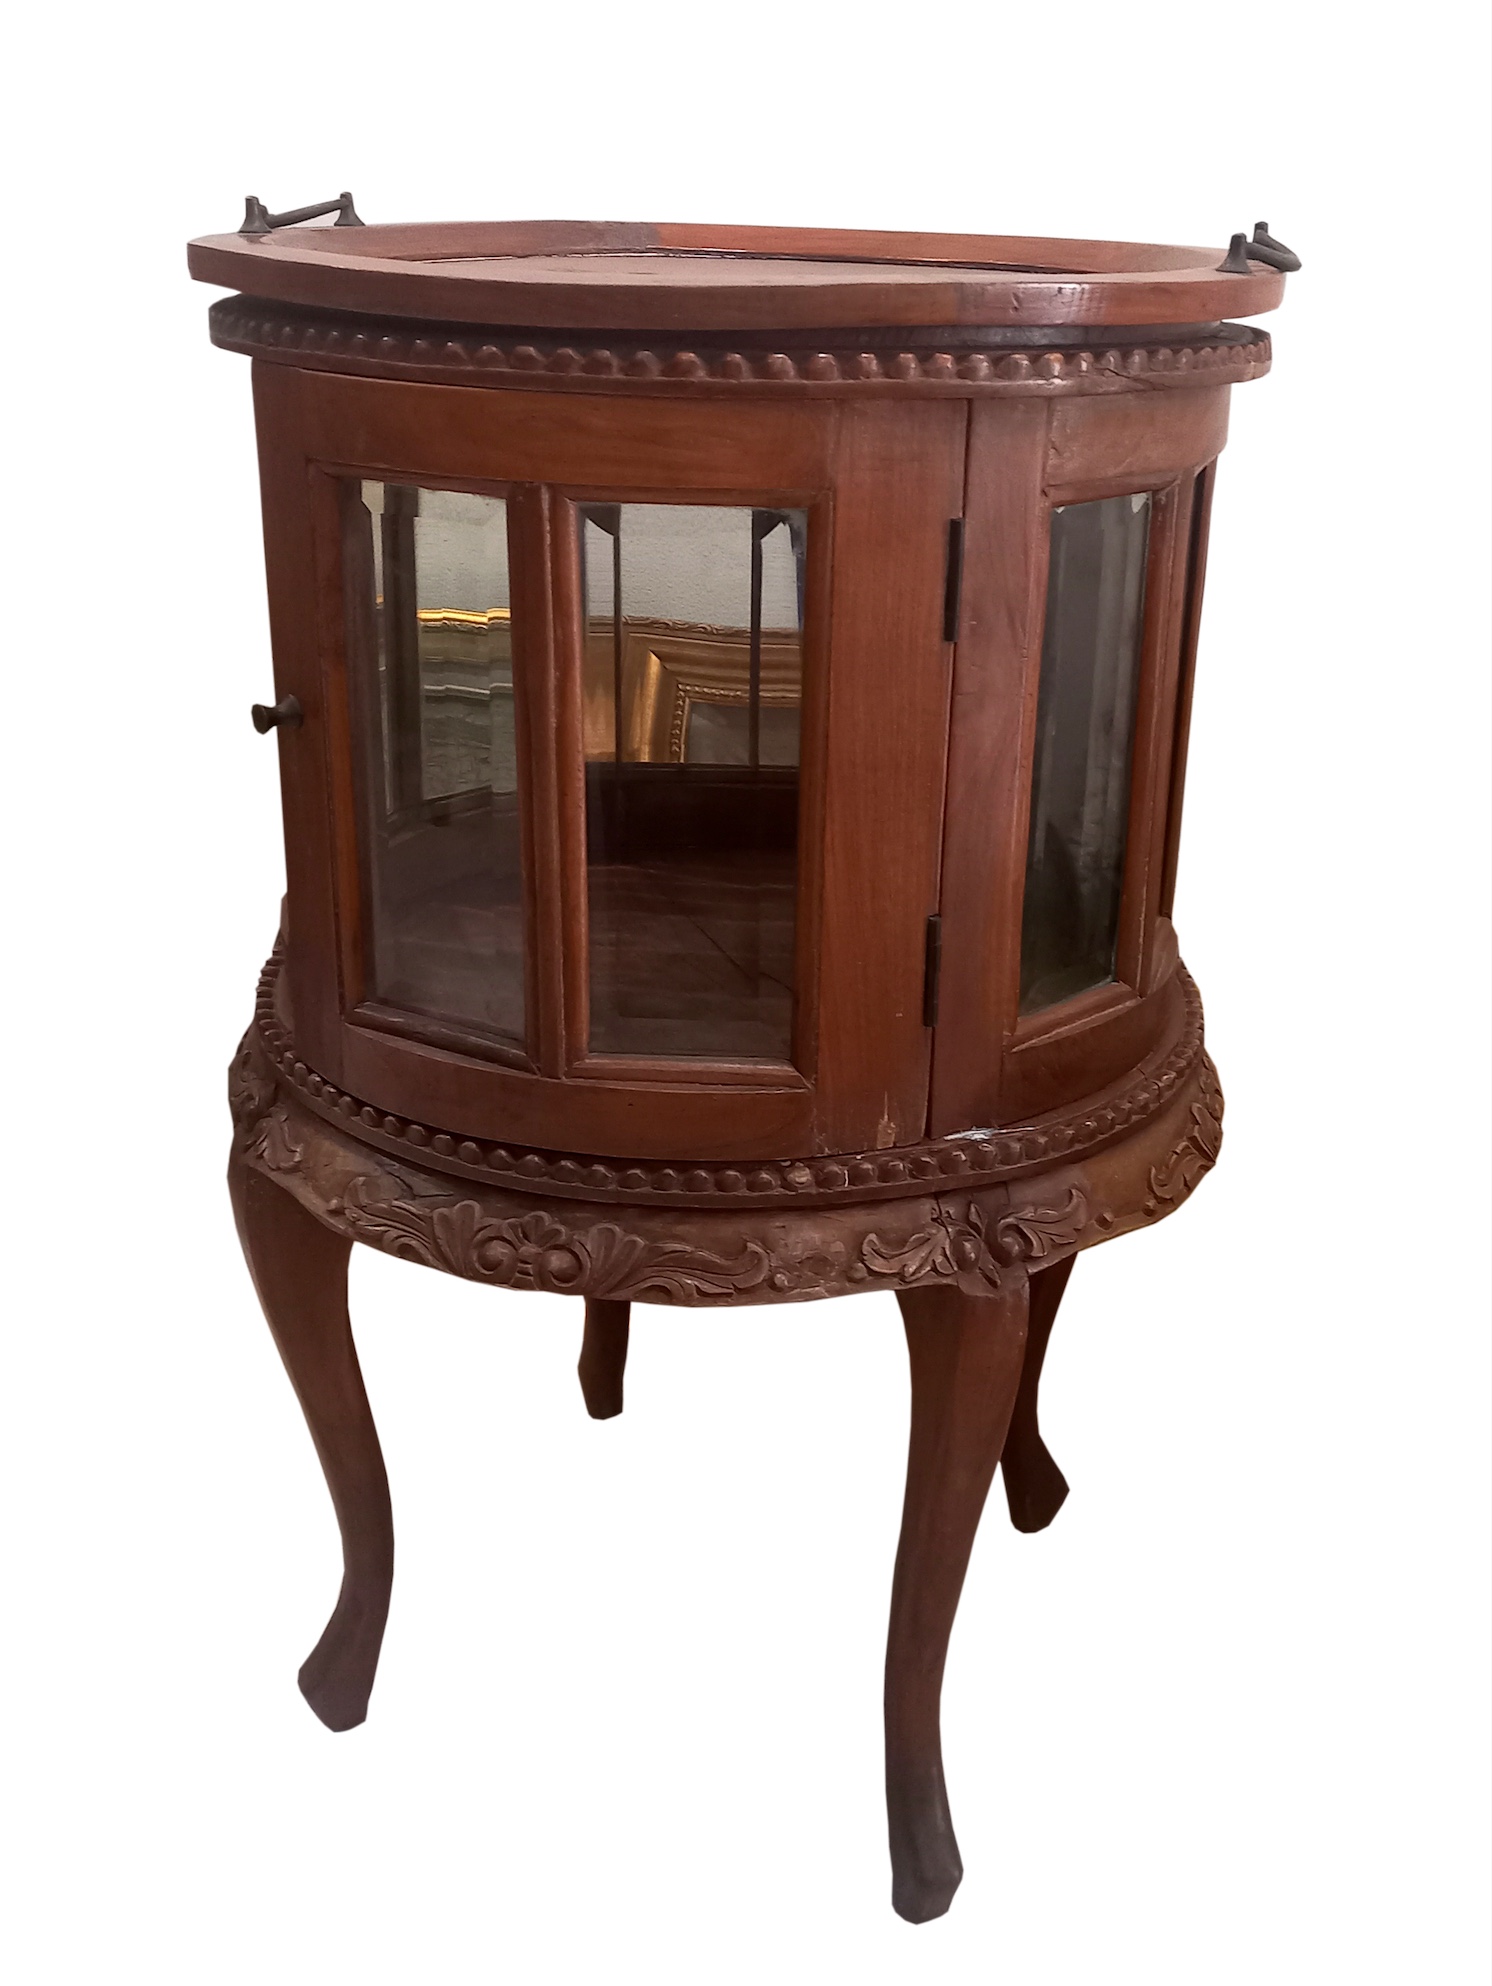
[(286, 714)]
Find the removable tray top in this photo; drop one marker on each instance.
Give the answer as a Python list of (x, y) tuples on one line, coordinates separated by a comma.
[(646, 276)]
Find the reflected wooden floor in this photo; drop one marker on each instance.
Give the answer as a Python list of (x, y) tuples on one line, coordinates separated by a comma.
[(688, 957), (455, 953), (693, 956)]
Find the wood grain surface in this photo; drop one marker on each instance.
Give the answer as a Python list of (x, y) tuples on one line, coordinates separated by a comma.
[(649, 276)]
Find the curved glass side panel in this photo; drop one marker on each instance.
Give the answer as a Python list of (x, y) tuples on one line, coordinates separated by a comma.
[(693, 685), (1085, 721), (433, 686)]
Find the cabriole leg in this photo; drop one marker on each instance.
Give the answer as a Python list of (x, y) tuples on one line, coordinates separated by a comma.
[(966, 1354), (603, 1356), (300, 1271), (1035, 1488)]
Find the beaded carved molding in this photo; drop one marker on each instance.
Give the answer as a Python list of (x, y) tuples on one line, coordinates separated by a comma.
[(972, 1158), (399, 349), (976, 1236)]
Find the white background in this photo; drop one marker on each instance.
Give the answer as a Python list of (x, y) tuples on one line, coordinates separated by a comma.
[(1227, 1720)]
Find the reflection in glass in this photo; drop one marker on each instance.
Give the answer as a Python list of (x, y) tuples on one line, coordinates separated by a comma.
[(1085, 720), (444, 897), (693, 679)]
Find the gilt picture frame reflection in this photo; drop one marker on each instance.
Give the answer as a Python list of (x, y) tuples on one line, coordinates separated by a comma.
[(692, 689), (465, 662), (687, 694)]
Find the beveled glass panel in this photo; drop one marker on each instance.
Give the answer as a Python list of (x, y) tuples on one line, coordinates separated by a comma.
[(1085, 721), (443, 901), (693, 685)]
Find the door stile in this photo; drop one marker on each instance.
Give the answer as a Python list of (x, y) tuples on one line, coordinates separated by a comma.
[(296, 601), (1201, 521), (899, 478), (1165, 582), (351, 712), (812, 823), (567, 588), (536, 677), (996, 675)]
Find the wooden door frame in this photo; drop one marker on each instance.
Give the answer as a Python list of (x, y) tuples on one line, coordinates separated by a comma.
[(992, 1065), (886, 478), (581, 1064)]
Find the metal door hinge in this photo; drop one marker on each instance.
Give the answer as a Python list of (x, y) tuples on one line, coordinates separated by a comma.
[(932, 967), (953, 585)]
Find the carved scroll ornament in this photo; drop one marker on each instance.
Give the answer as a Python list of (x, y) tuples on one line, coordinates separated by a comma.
[(973, 1239)]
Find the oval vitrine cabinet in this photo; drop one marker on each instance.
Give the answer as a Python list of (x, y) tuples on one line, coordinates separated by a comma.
[(732, 692)]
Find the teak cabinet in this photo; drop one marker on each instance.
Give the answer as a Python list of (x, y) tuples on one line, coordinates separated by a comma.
[(926, 586), (732, 692)]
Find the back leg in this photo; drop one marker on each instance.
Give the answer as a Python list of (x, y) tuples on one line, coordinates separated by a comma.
[(1035, 1487), (603, 1356)]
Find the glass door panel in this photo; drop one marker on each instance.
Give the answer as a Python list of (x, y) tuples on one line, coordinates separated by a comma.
[(1085, 720), (443, 898), (693, 688)]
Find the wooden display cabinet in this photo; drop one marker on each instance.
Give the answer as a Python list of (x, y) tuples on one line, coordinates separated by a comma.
[(732, 695)]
